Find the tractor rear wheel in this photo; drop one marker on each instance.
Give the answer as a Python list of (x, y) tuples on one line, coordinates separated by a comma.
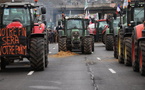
[(109, 42), (37, 53), (93, 43), (46, 50), (62, 44), (135, 62), (115, 47), (103, 38), (127, 52), (2, 64), (46, 55), (120, 47), (87, 45), (142, 58)]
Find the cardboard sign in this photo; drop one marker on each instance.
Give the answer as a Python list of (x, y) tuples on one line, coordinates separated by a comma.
[(13, 41)]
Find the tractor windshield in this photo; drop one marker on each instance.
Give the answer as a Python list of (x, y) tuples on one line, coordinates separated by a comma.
[(74, 24), (22, 14), (138, 15), (102, 24)]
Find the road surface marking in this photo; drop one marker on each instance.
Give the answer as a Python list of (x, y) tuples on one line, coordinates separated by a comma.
[(30, 73), (111, 70), (50, 52), (98, 58), (53, 48)]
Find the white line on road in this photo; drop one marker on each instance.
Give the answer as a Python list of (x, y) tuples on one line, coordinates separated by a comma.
[(53, 48), (30, 73), (98, 58), (111, 70)]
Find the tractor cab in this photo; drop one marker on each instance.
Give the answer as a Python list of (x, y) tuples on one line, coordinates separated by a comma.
[(73, 26)]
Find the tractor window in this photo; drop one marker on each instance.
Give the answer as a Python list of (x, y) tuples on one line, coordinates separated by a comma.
[(16, 13), (102, 24), (74, 24), (138, 15)]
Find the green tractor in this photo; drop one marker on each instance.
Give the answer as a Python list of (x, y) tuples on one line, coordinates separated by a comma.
[(75, 36), (109, 34), (115, 34)]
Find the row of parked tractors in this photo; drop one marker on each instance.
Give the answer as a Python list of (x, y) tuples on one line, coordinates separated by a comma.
[(129, 41), (124, 34), (23, 34)]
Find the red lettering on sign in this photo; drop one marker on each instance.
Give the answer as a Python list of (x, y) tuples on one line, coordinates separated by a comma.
[(10, 38)]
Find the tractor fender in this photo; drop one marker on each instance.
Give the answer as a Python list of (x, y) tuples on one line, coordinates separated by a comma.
[(37, 35), (128, 34), (61, 33), (138, 31), (38, 28), (109, 34)]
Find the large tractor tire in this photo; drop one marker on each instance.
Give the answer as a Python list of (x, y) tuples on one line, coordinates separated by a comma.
[(37, 53), (120, 47), (93, 43), (135, 62), (109, 42), (46, 54), (127, 51), (2, 64), (142, 58), (87, 43), (103, 38), (62, 44), (46, 49), (115, 48)]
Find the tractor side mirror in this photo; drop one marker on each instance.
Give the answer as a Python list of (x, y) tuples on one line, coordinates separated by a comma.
[(43, 10)]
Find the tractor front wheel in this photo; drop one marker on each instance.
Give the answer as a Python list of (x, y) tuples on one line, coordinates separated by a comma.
[(115, 47), (127, 52), (62, 44), (142, 58), (109, 42), (37, 53), (87, 45), (120, 47)]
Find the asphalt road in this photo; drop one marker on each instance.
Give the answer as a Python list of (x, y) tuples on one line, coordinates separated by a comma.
[(97, 71)]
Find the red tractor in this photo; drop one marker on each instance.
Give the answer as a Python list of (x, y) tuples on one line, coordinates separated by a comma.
[(138, 45), (22, 35), (98, 26)]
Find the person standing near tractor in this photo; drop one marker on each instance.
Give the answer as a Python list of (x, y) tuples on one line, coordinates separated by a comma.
[(59, 27)]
